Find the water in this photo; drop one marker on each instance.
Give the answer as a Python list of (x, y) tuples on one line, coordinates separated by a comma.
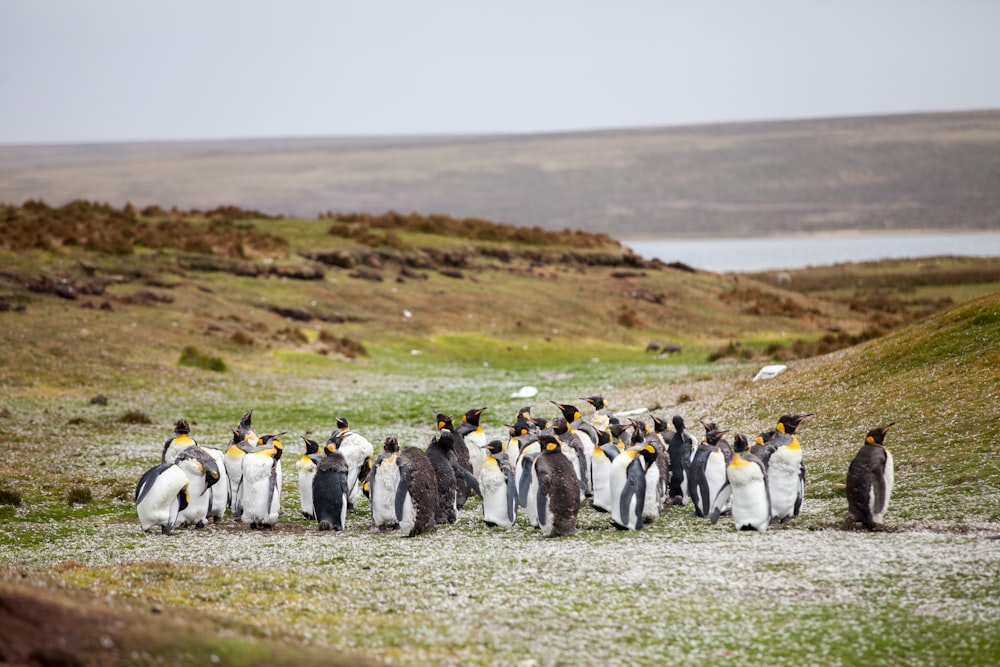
[(764, 254)]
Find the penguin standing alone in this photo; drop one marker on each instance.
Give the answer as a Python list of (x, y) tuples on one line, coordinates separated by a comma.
[(558, 495), (870, 480), (382, 484), (330, 490), (417, 493), (499, 487), (746, 488), (160, 494)]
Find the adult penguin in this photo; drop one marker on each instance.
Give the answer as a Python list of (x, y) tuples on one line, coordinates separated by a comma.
[(260, 486), (572, 449), (475, 439), (160, 494), (628, 486), (382, 484), (600, 471), (680, 451), (182, 440), (447, 469), (656, 475), (202, 473), (870, 479), (417, 493), (330, 489), (786, 470), (558, 495), (707, 473), (499, 487), (357, 452), (601, 417), (529, 448), (306, 467), (745, 489), (244, 440), (584, 431), (462, 488)]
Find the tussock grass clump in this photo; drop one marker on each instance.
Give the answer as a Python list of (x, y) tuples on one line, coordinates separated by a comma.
[(79, 495), (10, 497), (191, 356), (135, 417), (343, 345)]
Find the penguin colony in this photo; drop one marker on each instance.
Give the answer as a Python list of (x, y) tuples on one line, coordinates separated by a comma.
[(551, 470)]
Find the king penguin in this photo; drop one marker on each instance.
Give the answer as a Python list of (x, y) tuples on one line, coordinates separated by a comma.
[(584, 431), (357, 452), (462, 487), (382, 484), (202, 473), (330, 489), (657, 474), (416, 494), (707, 473), (600, 471), (220, 491), (306, 467), (628, 486), (558, 494), (572, 449), (260, 486), (244, 440), (498, 486), (475, 439), (746, 489), (786, 470), (182, 440), (160, 494), (870, 479), (447, 469)]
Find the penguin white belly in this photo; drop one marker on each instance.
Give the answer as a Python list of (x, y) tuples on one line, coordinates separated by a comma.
[(219, 500), (383, 494), (889, 475), (600, 468), (750, 502), (356, 450), (197, 510), (531, 509), (493, 484), (306, 468), (588, 451), (651, 507), (618, 480), (259, 502), (549, 524), (408, 520), (783, 477), (159, 505), (574, 460), (715, 475), (234, 470), (475, 441)]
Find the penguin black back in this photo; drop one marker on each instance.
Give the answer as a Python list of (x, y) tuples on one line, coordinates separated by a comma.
[(330, 490), (870, 480)]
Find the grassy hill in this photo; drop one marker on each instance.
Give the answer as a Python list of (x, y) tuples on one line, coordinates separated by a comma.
[(114, 323), (916, 172)]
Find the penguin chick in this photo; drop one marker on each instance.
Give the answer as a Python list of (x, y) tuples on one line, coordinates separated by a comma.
[(417, 493), (870, 480), (462, 487), (330, 490), (558, 495)]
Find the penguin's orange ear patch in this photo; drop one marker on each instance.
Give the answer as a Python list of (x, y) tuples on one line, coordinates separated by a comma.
[(870, 440), (551, 446)]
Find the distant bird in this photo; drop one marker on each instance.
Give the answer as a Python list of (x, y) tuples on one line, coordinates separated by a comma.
[(330, 489), (260, 486), (306, 467), (462, 488), (746, 489), (475, 439), (357, 452), (159, 496), (383, 481), (786, 470), (558, 489), (680, 450), (870, 480), (499, 487)]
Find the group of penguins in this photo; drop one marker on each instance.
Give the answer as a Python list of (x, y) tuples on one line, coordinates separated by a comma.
[(631, 471)]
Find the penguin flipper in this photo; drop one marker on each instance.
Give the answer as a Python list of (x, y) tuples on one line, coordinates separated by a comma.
[(511, 498), (273, 484), (802, 490), (522, 489), (542, 499), (147, 479), (182, 499), (403, 488), (722, 498), (634, 476), (469, 479)]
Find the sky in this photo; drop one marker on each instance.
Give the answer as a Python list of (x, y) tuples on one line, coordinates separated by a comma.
[(132, 70)]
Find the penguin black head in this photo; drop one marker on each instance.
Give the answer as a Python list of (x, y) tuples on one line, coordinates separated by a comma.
[(568, 411), (713, 436), (764, 437), (709, 426), (740, 443), (876, 436), (597, 401), (330, 448), (521, 427), (639, 427), (524, 413), (444, 422), (211, 471), (493, 447), (603, 438), (312, 447), (789, 423), (560, 426), (637, 435), (182, 426), (342, 423), (648, 453), (472, 416), (678, 422), (549, 443), (659, 426), (245, 421), (617, 429), (539, 423), (275, 442), (390, 444), (445, 438)]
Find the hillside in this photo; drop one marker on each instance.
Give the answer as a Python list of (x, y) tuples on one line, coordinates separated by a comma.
[(917, 172)]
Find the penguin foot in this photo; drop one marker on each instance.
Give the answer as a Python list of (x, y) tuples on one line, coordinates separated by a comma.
[(200, 524), (216, 519), (677, 500)]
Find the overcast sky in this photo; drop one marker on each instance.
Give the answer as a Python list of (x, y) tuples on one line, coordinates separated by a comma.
[(103, 70)]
